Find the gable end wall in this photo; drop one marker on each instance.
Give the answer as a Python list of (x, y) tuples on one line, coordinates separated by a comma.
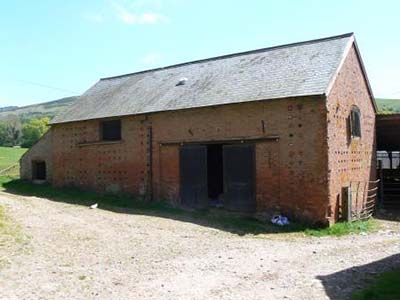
[(41, 151), (351, 161)]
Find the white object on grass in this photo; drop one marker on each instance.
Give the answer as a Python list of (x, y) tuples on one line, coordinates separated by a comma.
[(280, 220)]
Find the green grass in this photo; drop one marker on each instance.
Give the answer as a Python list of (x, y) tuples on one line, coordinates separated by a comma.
[(385, 287), (4, 179), (220, 219), (344, 228), (12, 239), (10, 156), (128, 204), (388, 106), (7, 228)]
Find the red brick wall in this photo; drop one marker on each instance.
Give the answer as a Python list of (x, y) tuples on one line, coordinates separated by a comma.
[(350, 160), (104, 167), (291, 173)]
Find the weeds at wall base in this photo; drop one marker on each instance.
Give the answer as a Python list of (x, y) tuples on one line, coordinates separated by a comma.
[(212, 218)]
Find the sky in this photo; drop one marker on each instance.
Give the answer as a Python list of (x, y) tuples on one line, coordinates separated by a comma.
[(52, 49)]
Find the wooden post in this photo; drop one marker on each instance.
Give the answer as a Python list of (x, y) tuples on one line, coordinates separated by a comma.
[(346, 203), (380, 168), (150, 163)]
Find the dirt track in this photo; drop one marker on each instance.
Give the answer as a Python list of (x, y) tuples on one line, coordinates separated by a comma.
[(78, 253)]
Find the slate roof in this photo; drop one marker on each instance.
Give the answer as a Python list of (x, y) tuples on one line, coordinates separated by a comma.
[(300, 69)]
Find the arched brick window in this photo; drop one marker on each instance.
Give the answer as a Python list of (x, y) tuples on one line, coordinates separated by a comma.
[(355, 122)]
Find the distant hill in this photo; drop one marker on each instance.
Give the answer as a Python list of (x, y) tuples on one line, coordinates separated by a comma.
[(388, 106), (46, 109), (8, 108)]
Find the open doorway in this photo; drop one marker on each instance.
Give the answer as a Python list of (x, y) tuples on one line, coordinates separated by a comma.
[(215, 174), (39, 170), (218, 175)]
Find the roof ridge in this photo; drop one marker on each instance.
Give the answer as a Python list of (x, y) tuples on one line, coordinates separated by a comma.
[(234, 55)]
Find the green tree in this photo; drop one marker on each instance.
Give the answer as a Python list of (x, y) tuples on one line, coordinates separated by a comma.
[(3, 134), (33, 131), (10, 131)]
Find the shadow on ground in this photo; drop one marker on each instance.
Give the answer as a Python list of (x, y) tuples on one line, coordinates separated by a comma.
[(388, 214), (341, 285), (219, 219)]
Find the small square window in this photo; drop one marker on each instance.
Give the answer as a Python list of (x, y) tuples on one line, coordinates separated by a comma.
[(111, 130)]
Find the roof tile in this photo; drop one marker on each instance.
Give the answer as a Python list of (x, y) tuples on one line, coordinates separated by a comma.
[(293, 70)]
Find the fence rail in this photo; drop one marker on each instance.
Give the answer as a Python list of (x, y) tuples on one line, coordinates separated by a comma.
[(368, 199), (8, 169)]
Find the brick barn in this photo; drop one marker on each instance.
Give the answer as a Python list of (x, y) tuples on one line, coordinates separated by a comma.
[(281, 129)]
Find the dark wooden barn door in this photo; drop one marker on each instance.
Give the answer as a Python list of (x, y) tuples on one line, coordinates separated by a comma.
[(239, 176), (193, 174)]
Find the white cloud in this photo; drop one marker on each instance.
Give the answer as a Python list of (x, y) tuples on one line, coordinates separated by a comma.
[(151, 58), (94, 17), (153, 3), (130, 18)]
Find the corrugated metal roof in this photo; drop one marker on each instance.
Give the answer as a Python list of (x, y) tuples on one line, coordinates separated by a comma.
[(299, 69)]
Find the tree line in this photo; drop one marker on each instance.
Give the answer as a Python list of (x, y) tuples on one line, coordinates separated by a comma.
[(13, 132)]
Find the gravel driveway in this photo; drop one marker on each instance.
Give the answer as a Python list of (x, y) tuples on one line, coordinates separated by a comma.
[(78, 253)]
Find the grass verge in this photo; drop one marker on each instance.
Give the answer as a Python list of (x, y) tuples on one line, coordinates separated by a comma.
[(11, 237), (385, 287), (9, 156), (4, 179), (344, 228), (220, 219)]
